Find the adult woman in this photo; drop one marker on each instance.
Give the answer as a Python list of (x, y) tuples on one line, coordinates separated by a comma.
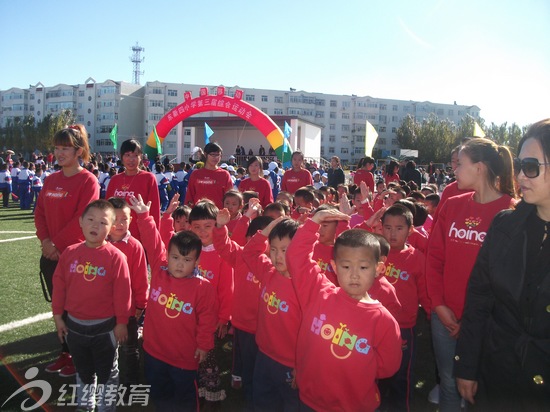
[(455, 241), (391, 172), (63, 198), (296, 177), (135, 181), (336, 175), (210, 181), (505, 334), (256, 182)]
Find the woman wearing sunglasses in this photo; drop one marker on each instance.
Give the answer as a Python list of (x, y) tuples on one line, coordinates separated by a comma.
[(503, 353), (486, 169)]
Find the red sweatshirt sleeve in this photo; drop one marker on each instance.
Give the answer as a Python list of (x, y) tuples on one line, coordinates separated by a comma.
[(190, 194), (421, 283), (435, 260), (207, 315), (227, 248), (139, 277), (225, 291), (156, 252), (255, 258), (388, 354), (122, 291), (166, 229), (59, 287), (240, 230)]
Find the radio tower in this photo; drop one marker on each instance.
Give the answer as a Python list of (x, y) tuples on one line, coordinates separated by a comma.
[(137, 59)]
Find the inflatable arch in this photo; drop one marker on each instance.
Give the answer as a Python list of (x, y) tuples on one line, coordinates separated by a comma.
[(220, 103)]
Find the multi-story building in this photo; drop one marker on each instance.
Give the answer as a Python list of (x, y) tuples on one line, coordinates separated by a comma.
[(137, 109)]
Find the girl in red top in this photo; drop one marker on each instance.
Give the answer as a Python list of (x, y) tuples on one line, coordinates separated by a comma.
[(256, 182), (135, 181), (391, 174), (63, 199), (455, 241), (296, 177), (364, 173)]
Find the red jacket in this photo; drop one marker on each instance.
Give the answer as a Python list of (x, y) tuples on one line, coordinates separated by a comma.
[(293, 181), (209, 184)]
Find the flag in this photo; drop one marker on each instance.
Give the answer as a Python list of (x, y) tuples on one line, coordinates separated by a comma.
[(370, 138), (207, 133), (478, 131), (157, 140), (113, 135), (287, 132)]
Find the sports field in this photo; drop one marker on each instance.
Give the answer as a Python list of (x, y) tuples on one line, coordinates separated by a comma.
[(27, 338)]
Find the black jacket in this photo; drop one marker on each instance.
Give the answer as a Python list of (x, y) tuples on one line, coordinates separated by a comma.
[(335, 177), (498, 345)]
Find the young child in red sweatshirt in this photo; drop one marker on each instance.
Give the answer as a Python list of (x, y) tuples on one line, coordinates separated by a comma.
[(181, 315), (123, 240), (211, 266), (244, 317), (279, 318), (346, 339), (405, 270), (91, 303)]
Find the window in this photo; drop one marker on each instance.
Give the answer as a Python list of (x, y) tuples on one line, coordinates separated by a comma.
[(406, 108), (332, 138), (264, 98), (187, 132), (333, 115), (460, 112), (381, 141), (450, 112), (372, 105), (156, 103), (394, 119), (278, 99), (331, 149), (319, 115), (319, 102), (249, 97), (322, 151), (278, 112), (307, 112), (344, 150), (81, 93), (345, 115), (187, 145), (332, 126), (333, 104), (172, 92), (383, 107), (394, 129), (383, 118), (345, 127), (382, 129), (394, 142), (157, 90), (345, 105), (171, 145), (171, 105), (155, 116), (294, 111), (359, 150), (394, 108)]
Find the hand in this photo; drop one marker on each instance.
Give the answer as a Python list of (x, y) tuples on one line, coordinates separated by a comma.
[(139, 312), (267, 230), (448, 318), (467, 389), (223, 218), (329, 215), (375, 221), (121, 333), (200, 354), (173, 205), (344, 205), (254, 208), (365, 192), (221, 329), (137, 205), (49, 250), (293, 384), (62, 330)]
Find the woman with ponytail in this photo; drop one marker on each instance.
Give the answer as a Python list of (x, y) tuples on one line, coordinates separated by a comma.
[(487, 170)]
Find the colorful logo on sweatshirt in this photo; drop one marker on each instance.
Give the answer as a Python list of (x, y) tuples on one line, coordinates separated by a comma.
[(123, 192), (393, 274), (87, 270), (173, 307), (325, 266), (251, 278), (468, 234), (207, 274), (58, 193), (273, 303), (342, 342)]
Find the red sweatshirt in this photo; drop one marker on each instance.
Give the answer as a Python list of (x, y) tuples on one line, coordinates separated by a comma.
[(455, 241), (450, 190), (144, 184), (137, 264), (92, 283), (220, 274), (344, 345), (244, 315), (60, 204), (279, 315), (293, 181), (322, 254), (210, 184), (261, 186), (363, 175), (405, 270), (384, 292), (181, 312)]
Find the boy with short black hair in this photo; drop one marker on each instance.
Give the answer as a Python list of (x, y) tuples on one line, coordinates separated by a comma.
[(346, 340), (91, 301), (279, 318), (181, 315), (123, 240), (303, 202), (405, 270)]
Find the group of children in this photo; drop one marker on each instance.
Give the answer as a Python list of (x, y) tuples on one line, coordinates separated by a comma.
[(23, 182), (327, 326)]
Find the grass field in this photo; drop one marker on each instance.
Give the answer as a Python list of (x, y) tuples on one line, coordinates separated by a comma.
[(35, 344)]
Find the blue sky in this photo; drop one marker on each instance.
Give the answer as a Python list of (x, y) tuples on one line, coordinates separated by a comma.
[(494, 54)]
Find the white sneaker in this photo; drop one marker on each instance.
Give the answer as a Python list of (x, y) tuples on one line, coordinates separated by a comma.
[(433, 396)]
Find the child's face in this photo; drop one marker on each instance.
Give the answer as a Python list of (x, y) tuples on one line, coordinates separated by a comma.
[(181, 223), (254, 169), (277, 253), (429, 207), (356, 269), (121, 225), (233, 204), (297, 162), (96, 225), (181, 266), (380, 187), (204, 229), (396, 231), (327, 230)]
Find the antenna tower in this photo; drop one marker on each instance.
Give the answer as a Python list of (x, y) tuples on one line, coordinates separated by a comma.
[(137, 59)]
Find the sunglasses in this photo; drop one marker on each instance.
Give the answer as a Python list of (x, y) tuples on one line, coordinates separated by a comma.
[(529, 166)]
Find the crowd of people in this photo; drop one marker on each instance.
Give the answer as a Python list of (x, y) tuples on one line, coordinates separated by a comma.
[(318, 276)]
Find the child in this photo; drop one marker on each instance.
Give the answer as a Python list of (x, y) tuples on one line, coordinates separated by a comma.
[(5, 184), (174, 219), (162, 183), (233, 201), (24, 179), (181, 315), (123, 240), (245, 298), (346, 340), (91, 301), (303, 203), (279, 318), (405, 271), (211, 266), (37, 184)]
